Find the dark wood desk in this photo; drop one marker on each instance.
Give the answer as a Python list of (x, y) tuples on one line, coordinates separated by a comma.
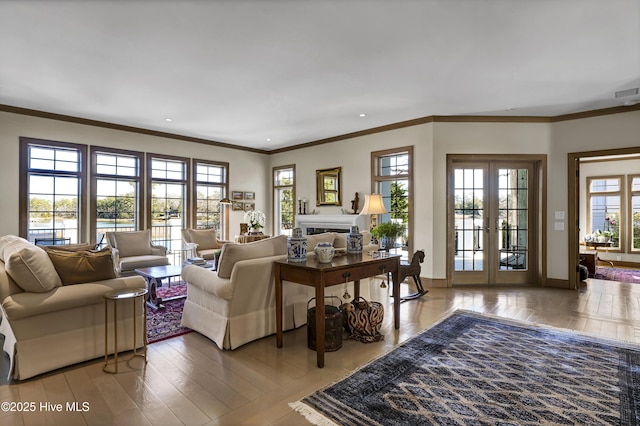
[(351, 267)]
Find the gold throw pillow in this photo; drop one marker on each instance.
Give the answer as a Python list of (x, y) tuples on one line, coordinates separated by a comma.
[(75, 267)]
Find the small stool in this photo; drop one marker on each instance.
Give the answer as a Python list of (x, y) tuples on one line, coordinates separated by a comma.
[(114, 296)]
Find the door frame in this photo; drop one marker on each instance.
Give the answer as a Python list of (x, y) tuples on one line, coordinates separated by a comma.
[(573, 209), (538, 211)]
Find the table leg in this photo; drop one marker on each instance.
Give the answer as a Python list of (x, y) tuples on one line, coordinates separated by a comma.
[(356, 289), (152, 285), (278, 283), (105, 368), (395, 275), (320, 326)]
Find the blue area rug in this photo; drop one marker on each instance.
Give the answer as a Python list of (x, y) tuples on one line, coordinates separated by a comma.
[(471, 369)]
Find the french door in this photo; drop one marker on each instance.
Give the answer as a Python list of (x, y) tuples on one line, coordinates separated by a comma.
[(493, 222)]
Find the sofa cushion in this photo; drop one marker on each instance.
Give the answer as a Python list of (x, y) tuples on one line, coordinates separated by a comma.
[(75, 267), (137, 262), (313, 240), (340, 240), (25, 305), (31, 268), (233, 252), (135, 243), (70, 247), (206, 239)]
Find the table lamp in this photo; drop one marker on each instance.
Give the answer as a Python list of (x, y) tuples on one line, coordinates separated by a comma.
[(373, 206)]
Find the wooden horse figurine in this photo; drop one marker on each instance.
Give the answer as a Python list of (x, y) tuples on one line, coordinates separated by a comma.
[(413, 270)]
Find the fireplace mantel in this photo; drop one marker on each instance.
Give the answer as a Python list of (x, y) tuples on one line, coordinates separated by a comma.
[(340, 222)]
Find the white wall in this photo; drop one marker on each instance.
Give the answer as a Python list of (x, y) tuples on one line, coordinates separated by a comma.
[(577, 136), (248, 171), (432, 142)]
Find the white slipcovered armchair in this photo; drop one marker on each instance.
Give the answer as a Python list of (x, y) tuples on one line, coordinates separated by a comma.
[(133, 249), (236, 304)]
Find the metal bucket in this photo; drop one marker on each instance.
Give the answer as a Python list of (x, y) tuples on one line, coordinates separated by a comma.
[(332, 326)]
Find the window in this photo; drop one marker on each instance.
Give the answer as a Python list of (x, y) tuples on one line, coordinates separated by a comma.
[(604, 208), (634, 206), (393, 179), (283, 199), (116, 178), (210, 187), (169, 180), (51, 191)]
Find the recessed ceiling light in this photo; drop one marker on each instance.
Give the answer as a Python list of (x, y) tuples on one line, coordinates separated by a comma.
[(168, 120), (268, 139), (363, 114)]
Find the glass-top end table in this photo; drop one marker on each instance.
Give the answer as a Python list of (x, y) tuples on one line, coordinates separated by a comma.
[(135, 295)]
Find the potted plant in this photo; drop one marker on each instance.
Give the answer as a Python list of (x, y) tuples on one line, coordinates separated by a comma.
[(387, 233)]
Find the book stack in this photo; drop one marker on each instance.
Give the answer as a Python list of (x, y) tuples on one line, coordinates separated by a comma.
[(199, 261)]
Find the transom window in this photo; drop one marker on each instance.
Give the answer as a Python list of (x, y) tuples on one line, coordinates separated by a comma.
[(168, 198), (393, 179), (52, 186), (283, 199), (634, 185), (605, 213), (116, 183), (210, 187)]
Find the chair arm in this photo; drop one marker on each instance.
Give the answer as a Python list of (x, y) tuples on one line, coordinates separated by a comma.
[(158, 250), (208, 280)]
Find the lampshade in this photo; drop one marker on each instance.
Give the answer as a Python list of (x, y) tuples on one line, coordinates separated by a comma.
[(225, 200), (373, 205)]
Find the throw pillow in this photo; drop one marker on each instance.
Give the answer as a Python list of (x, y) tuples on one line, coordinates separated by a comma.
[(32, 270), (76, 267), (6, 240), (232, 252), (134, 243), (70, 247), (206, 239)]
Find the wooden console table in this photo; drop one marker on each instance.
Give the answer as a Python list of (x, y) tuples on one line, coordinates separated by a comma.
[(352, 267)]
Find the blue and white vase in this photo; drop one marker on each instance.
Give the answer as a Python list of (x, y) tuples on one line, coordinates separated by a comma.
[(297, 246), (354, 241)]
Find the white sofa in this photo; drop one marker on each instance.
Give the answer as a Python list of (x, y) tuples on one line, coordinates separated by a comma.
[(236, 304), (53, 311)]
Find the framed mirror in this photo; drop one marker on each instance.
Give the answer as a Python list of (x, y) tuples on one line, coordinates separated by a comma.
[(328, 187)]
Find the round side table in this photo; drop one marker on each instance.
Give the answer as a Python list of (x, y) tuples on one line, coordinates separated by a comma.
[(137, 296)]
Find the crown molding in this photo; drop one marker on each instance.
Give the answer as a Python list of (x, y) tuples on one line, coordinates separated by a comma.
[(379, 129)]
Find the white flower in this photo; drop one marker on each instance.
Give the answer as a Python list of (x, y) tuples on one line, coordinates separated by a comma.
[(255, 218)]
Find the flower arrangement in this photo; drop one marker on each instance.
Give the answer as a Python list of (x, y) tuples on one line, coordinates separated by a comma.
[(256, 219)]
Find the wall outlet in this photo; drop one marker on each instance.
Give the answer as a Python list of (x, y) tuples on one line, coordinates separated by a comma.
[(618, 257)]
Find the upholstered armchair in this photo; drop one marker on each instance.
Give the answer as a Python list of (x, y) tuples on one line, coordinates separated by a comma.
[(133, 250), (205, 242)]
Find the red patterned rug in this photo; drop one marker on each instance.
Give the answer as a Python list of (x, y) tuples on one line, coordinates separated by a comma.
[(622, 275), (164, 323)]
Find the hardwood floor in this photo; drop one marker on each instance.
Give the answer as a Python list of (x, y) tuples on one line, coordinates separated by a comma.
[(188, 380)]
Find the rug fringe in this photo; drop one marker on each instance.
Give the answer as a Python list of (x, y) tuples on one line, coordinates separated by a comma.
[(311, 415)]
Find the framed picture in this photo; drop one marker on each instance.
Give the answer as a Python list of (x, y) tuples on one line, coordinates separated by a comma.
[(249, 206), (250, 196), (237, 195), (237, 205)]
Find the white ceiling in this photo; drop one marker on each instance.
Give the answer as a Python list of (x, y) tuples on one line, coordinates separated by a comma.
[(243, 71)]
